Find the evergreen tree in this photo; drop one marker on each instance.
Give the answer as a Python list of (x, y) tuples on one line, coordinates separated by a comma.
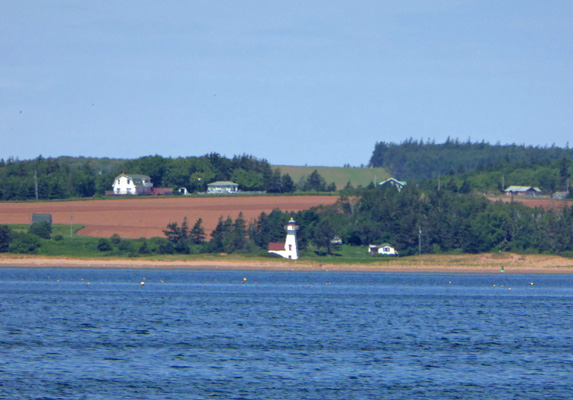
[(5, 237), (173, 232), (197, 234)]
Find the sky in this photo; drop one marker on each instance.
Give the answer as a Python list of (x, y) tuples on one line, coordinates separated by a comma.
[(315, 83)]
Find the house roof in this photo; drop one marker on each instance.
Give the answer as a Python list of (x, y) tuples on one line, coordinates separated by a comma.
[(138, 180), (222, 183), (395, 181), (133, 176), (276, 246), (522, 189)]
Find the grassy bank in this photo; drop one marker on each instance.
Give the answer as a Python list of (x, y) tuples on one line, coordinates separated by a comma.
[(67, 244), (340, 176)]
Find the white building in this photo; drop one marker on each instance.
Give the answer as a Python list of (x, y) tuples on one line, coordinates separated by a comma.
[(526, 191), (222, 187), (287, 249), (399, 185), (126, 184), (382, 250)]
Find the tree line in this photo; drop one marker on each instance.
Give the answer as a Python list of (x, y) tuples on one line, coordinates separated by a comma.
[(64, 177), (416, 160)]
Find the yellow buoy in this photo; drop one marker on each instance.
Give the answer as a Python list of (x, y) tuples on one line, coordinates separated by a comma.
[(142, 283)]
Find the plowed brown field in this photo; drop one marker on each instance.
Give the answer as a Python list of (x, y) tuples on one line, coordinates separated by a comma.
[(535, 202), (147, 217)]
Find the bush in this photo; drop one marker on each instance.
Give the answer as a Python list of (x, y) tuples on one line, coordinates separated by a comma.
[(115, 239), (166, 247), (25, 243), (182, 247), (41, 229), (144, 248), (5, 238), (104, 245)]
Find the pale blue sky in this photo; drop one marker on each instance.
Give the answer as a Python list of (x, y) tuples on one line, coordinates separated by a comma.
[(297, 82)]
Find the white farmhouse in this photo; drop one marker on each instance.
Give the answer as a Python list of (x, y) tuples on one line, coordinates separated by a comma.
[(126, 184)]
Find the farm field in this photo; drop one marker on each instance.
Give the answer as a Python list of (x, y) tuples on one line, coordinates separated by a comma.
[(340, 176), (147, 217), (535, 202)]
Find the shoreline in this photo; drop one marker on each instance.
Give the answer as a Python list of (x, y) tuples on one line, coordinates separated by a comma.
[(530, 264)]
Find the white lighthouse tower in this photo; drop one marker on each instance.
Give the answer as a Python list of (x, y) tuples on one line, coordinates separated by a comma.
[(287, 249)]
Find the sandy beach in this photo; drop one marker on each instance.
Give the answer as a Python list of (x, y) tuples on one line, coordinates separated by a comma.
[(484, 263)]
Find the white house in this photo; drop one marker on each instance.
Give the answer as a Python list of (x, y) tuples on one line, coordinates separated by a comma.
[(288, 249), (382, 250), (129, 184), (527, 191), (399, 185), (222, 187)]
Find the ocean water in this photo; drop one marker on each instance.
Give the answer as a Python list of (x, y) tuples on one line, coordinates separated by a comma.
[(100, 334)]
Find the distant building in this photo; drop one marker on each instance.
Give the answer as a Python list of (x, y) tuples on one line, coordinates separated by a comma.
[(288, 249), (37, 218), (222, 187), (399, 185), (382, 250), (131, 184), (560, 195), (525, 191), (336, 241)]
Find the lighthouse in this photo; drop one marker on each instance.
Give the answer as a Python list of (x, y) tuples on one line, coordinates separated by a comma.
[(288, 249)]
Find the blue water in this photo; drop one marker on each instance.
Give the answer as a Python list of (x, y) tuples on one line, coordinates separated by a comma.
[(283, 335)]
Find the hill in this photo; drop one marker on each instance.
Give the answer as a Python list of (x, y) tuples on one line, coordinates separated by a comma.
[(416, 160), (340, 176)]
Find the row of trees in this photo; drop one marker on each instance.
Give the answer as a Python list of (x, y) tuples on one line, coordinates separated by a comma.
[(484, 166), (448, 221), (66, 178)]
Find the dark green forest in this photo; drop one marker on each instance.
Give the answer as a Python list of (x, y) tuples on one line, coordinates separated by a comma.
[(476, 166)]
